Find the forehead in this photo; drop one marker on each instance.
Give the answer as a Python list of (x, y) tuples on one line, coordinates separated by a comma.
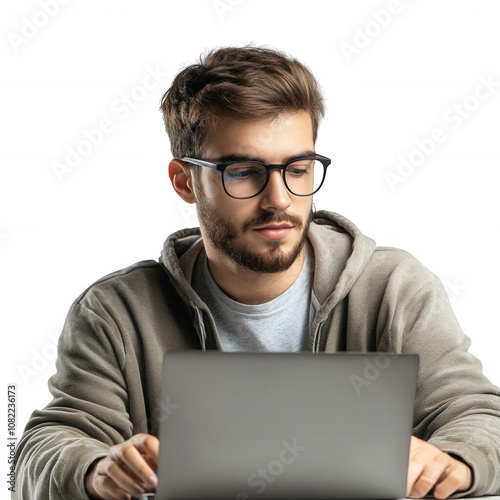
[(271, 140)]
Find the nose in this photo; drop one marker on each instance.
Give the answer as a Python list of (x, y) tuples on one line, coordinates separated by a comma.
[(275, 196)]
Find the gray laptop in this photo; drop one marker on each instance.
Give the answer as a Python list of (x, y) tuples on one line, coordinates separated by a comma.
[(285, 426)]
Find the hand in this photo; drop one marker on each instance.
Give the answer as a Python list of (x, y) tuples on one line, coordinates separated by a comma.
[(429, 467), (128, 469)]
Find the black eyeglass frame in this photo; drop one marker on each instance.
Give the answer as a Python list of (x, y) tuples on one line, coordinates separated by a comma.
[(221, 167)]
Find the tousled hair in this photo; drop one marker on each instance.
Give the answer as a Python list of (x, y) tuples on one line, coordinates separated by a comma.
[(236, 82)]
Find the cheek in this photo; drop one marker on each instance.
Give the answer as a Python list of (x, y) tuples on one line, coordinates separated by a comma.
[(237, 211), (304, 205), (209, 185)]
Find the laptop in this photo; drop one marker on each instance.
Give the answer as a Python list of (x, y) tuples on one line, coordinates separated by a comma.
[(285, 426)]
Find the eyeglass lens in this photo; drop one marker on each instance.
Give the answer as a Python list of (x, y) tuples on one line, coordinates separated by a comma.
[(302, 177)]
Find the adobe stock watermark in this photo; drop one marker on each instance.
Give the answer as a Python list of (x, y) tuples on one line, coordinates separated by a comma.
[(33, 24), (222, 7), (40, 359), (3, 238), (121, 108), (266, 475), (188, 213), (267, 135), (373, 367), (167, 409), (453, 118), (454, 288), (364, 35)]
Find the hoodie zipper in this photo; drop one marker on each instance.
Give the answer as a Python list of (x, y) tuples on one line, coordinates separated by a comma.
[(200, 326), (317, 337)]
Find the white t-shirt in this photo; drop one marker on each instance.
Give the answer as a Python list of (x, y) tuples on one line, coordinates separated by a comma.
[(280, 325)]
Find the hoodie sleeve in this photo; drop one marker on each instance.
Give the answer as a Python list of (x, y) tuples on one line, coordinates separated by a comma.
[(456, 407), (87, 415)]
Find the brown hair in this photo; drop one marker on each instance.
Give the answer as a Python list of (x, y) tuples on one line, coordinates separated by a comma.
[(234, 82)]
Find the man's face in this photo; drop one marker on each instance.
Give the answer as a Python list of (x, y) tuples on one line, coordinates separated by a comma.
[(266, 233)]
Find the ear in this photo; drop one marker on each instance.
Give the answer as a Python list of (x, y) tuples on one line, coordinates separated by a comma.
[(180, 177)]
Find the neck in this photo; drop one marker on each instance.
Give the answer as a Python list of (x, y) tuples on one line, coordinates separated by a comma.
[(249, 287)]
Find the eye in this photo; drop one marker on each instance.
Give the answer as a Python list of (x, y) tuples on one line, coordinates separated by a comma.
[(244, 171), (300, 168), (296, 171), (241, 174)]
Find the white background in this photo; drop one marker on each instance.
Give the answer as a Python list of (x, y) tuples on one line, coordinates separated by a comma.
[(61, 78)]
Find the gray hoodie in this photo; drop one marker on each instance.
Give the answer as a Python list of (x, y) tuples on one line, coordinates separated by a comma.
[(107, 385)]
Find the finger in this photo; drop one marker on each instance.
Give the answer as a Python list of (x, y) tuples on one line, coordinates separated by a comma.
[(106, 488), (129, 455), (149, 446), (415, 468), (458, 479), (151, 462), (123, 480), (430, 475)]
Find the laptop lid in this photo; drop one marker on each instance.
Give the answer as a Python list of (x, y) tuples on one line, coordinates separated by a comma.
[(245, 425)]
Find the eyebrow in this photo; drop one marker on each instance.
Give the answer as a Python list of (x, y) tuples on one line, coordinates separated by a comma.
[(240, 157)]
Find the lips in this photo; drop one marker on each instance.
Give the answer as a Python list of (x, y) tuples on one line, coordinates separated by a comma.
[(275, 232), (275, 226)]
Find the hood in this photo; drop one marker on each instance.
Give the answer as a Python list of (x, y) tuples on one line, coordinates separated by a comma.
[(330, 234)]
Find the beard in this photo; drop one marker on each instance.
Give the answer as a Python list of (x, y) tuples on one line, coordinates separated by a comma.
[(224, 236)]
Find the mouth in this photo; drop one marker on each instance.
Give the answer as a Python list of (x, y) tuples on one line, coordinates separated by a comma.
[(275, 226), (274, 231)]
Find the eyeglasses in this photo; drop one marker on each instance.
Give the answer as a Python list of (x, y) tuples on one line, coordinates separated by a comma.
[(302, 176)]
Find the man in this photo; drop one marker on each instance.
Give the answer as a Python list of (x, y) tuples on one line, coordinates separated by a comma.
[(263, 273)]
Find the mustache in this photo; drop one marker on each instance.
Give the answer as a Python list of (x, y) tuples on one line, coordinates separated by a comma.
[(270, 218)]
